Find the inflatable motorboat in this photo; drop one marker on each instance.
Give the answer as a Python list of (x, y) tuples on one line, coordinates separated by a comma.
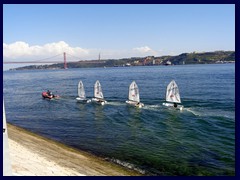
[(52, 96)]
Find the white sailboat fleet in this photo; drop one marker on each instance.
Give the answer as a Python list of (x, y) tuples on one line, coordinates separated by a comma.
[(81, 94), (98, 94), (133, 95), (173, 96)]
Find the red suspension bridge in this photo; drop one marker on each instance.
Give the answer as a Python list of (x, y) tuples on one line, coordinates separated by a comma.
[(54, 59)]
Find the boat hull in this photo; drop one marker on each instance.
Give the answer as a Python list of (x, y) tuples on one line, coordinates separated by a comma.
[(134, 103), (81, 100), (180, 107), (46, 96), (99, 101)]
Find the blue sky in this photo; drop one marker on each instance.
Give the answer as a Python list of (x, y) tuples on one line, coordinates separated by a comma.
[(32, 32)]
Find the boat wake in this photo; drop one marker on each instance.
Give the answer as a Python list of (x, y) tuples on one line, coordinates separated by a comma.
[(116, 103), (152, 107), (193, 111), (210, 112)]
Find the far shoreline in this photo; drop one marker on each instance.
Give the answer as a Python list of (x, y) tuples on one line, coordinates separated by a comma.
[(105, 67), (212, 57)]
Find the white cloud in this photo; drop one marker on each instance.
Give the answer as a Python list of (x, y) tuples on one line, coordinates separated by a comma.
[(15, 50), (20, 50), (144, 49)]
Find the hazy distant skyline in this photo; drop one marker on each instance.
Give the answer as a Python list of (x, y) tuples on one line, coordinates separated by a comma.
[(32, 32)]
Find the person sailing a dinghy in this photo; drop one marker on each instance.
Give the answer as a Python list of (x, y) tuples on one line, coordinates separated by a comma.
[(175, 105), (100, 100)]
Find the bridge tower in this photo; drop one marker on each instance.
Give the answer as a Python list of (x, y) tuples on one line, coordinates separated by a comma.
[(65, 60)]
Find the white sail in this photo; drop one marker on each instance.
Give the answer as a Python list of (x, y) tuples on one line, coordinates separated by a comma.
[(172, 93), (81, 91), (133, 92), (98, 90)]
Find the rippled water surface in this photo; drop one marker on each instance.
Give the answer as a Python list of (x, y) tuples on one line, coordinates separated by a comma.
[(200, 140)]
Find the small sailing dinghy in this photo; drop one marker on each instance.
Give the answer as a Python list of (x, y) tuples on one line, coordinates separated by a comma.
[(173, 96), (133, 96), (81, 94), (98, 94)]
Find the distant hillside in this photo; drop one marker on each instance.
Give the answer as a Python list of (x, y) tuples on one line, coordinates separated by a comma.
[(204, 58), (185, 58)]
